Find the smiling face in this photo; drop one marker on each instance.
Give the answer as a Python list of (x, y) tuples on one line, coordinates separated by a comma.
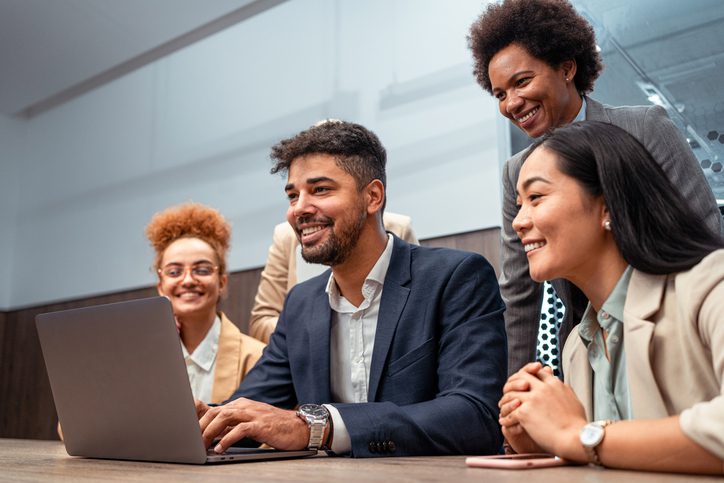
[(533, 95), (326, 210), (559, 223), (192, 295)]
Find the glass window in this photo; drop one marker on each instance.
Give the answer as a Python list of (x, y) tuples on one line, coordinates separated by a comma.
[(670, 53)]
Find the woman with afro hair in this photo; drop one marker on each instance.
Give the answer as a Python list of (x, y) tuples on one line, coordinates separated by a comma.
[(539, 59), (191, 242)]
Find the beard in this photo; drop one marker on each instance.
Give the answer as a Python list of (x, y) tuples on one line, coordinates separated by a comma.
[(338, 246)]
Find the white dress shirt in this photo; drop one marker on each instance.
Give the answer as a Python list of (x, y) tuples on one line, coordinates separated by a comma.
[(200, 364), (352, 340)]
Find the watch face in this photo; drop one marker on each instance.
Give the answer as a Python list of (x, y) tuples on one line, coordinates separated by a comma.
[(591, 435), (314, 410)]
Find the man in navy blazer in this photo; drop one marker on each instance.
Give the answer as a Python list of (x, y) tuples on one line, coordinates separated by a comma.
[(398, 350)]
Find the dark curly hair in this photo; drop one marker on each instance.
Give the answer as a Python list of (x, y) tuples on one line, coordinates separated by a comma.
[(189, 220), (356, 149), (550, 30)]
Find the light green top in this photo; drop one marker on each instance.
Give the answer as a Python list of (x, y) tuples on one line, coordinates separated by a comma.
[(611, 398)]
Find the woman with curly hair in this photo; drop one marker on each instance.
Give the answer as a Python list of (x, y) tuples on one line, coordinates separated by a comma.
[(191, 242), (540, 60), (644, 369)]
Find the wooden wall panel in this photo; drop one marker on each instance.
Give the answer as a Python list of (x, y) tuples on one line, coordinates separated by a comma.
[(240, 297), (485, 242), (26, 403), (3, 315), (27, 409)]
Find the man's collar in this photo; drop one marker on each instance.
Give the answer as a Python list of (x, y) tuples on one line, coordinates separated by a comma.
[(376, 275), (379, 270)]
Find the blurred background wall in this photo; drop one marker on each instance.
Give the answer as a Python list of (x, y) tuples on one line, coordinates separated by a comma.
[(111, 111), (82, 178)]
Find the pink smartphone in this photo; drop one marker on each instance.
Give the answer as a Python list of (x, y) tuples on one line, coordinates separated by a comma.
[(515, 461)]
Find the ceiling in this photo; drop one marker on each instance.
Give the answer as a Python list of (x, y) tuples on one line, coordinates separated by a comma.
[(54, 50)]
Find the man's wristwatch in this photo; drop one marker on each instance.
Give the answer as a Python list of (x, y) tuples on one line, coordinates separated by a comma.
[(316, 417), (591, 436)]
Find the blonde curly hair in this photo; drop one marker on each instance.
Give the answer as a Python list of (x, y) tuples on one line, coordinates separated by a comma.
[(189, 220)]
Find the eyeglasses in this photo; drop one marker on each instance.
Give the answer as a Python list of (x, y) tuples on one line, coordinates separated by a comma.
[(200, 271)]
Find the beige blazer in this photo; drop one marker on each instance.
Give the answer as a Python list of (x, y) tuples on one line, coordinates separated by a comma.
[(674, 346), (236, 355), (280, 273)]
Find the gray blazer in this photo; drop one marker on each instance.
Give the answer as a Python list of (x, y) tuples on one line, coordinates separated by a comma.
[(653, 128)]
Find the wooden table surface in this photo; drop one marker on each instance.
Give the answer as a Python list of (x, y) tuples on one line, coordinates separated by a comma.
[(30, 460)]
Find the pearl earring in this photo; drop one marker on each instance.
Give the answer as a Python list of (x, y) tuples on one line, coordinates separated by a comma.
[(607, 225)]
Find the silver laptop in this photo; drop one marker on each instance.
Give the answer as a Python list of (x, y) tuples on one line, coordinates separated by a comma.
[(121, 389)]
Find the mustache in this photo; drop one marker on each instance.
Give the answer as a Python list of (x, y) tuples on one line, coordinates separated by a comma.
[(325, 220)]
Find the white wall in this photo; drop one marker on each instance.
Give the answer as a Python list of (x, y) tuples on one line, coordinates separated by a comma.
[(198, 125), (11, 142)]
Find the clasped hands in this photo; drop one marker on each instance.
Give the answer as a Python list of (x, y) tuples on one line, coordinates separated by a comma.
[(541, 414), (244, 418)]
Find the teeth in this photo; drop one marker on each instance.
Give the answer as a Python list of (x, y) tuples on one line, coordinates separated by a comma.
[(188, 295), (532, 246), (309, 231), (527, 116)]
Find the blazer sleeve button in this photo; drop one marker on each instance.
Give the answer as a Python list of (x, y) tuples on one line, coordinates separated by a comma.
[(391, 446), (373, 447), (380, 448), (385, 446)]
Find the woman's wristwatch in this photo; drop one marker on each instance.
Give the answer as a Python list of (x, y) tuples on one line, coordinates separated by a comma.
[(591, 436)]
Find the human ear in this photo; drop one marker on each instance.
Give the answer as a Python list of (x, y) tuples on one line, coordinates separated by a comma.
[(568, 67), (223, 279), (375, 193), (605, 217)]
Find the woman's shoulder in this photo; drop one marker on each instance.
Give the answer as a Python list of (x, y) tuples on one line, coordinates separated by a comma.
[(689, 288), (701, 285), (702, 277), (230, 330), (615, 114), (706, 274)]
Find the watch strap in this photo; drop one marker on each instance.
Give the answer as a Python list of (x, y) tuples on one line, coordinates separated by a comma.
[(316, 434), (592, 451), (316, 423)]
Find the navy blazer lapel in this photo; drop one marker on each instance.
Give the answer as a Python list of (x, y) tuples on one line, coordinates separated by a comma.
[(319, 327), (394, 298)]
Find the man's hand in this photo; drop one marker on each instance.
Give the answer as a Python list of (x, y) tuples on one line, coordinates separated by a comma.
[(242, 418), (201, 408)]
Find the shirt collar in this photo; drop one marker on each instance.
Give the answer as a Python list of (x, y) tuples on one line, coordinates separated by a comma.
[(375, 279), (581, 116), (205, 353), (612, 308)]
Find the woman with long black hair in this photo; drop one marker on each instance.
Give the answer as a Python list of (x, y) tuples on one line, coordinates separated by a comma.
[(646, 363)]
